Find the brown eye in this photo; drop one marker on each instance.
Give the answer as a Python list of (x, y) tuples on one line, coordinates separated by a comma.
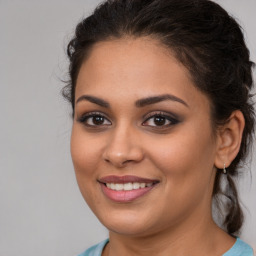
[(98, 120), (159, 120), (94, 120)]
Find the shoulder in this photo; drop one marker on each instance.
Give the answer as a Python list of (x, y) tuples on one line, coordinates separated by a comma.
[(240, 248), (95, 250)]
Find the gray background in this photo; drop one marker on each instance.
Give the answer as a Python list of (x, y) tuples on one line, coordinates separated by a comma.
[(42, 212)]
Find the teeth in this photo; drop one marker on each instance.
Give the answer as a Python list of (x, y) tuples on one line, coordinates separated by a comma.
[(118, 187), (128, 186), (136, 185), (142, 185)]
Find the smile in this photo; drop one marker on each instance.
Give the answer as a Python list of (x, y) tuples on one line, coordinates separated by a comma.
[(124, 189), (128, 186)]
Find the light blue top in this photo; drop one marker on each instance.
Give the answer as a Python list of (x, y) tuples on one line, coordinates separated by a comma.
[(240, 248)]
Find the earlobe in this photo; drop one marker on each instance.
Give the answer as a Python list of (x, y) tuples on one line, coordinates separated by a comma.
[(229, 139)]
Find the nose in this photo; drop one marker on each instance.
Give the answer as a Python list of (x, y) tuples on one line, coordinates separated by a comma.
[(123, 147)]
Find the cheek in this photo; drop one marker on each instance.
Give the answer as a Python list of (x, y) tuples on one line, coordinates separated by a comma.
[(186, 160), (187, 174), (85, 157)]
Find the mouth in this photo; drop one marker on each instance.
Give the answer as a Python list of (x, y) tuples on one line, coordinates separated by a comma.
[(125, 188), (128, 186)]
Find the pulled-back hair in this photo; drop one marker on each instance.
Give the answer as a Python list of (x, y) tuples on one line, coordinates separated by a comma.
[(206, 40)]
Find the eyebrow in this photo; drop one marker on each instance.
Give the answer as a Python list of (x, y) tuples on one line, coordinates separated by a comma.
[(94, 100), (159, 98), (139, 103)]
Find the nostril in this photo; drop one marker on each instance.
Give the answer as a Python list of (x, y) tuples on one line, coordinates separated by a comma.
[(119, 163), (122, 156), (127, 161)]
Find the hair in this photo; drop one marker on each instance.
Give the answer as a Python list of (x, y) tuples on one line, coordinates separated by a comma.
[(206, 40)]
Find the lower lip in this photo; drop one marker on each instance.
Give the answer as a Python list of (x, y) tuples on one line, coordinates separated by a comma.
[(123, 196)]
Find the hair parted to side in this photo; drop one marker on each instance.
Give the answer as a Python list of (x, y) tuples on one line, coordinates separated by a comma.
[(206, 40)]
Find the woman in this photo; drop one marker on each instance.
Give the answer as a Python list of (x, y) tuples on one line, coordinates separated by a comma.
[(160, 91)]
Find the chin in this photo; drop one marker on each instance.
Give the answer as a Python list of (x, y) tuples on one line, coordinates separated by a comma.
[(132, 230), (129, 223)]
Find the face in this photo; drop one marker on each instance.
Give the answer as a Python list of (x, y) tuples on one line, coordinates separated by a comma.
[(142, 142)]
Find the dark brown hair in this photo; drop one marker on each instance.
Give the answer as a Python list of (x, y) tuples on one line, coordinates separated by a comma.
[(206, 40)]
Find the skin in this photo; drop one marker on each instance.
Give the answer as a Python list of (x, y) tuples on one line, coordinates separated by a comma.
[(175, 217)]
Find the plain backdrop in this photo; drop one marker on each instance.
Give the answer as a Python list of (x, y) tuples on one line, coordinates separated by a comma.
[(42, 212)]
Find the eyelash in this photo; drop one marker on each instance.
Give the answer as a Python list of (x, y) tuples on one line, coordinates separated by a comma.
[(158, 114), (166, 117), (84, 119)]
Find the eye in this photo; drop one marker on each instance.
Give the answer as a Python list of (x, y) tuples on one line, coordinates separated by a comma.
[(94, 119), (160, 120)]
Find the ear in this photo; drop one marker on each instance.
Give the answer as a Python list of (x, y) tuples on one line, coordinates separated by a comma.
[(229, 139)]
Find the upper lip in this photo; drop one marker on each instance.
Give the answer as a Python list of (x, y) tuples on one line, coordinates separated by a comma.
[(125, 179)]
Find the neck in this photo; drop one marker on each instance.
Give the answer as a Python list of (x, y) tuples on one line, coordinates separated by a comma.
[(199, 237)]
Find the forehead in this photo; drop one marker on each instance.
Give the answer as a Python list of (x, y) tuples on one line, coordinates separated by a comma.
[(132, 67)]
